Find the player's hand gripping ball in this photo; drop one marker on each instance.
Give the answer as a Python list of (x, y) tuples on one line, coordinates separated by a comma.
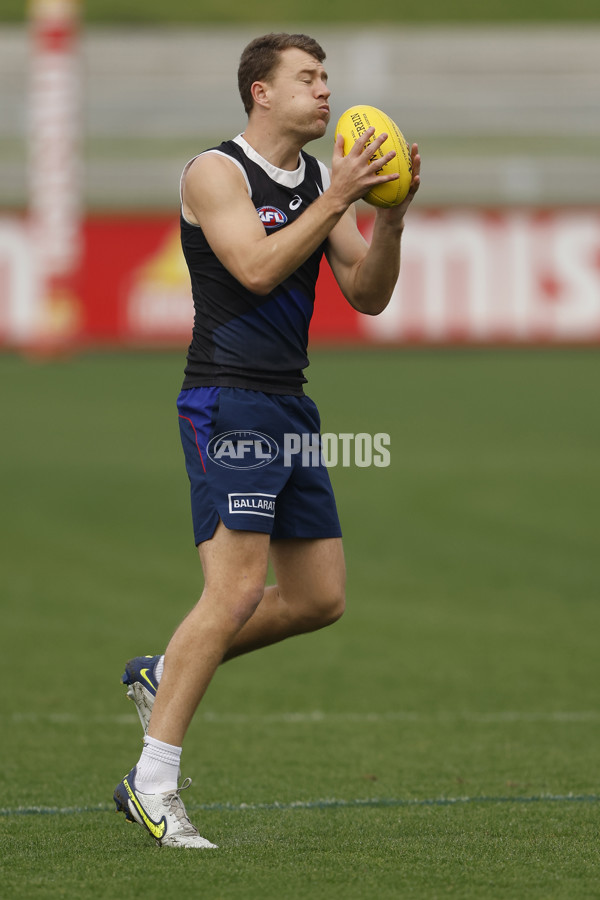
[(352, 125)]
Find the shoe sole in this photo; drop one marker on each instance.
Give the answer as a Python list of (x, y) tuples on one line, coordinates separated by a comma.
[(143, 702)]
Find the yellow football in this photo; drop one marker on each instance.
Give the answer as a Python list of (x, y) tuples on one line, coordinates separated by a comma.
[(352, 125)]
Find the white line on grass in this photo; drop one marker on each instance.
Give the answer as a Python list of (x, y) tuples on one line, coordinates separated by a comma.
[(317, 717), (330, 803)]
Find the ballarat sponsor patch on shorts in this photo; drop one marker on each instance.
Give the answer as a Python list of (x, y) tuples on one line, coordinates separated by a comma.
[(253, 504)]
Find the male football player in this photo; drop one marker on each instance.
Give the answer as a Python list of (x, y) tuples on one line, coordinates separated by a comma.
[(257, 214)]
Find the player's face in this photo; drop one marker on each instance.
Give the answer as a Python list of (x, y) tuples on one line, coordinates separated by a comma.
[(299, 94)]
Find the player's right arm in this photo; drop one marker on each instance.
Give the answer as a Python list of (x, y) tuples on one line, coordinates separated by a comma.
[(215, 197)]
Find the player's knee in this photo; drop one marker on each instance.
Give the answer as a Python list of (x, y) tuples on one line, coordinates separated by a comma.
[(231, 608), (337, 606), (245, 601), (329, 607)]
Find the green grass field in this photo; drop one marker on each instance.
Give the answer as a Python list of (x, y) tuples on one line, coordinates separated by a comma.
[(440, 741), (285, 12)]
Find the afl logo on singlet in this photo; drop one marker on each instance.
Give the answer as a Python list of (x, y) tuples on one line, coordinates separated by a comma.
[(271, 217)]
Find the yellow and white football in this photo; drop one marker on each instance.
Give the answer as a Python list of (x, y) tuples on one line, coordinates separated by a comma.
[(352, 125)]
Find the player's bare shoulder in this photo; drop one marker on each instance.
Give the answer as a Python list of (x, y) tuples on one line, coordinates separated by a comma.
[(210, 177)]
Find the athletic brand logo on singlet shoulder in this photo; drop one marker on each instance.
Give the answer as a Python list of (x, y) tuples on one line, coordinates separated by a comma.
[(271, 217), (296, 202)]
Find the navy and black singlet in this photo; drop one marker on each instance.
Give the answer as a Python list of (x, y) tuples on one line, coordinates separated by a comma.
[(241, 339)]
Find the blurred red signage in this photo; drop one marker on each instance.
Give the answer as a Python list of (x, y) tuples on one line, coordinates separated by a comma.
[(468, 276)]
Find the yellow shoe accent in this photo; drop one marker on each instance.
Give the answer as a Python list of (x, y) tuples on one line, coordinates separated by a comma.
[(143, 673), (156, 829)]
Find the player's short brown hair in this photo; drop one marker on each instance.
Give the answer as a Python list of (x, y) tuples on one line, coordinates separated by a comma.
[(261, 57)]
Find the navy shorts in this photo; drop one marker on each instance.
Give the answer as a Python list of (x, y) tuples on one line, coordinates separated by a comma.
[(254, 461)]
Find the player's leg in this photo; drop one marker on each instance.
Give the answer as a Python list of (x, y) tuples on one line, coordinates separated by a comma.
[(235, 569), (309, 594), (229, 620)]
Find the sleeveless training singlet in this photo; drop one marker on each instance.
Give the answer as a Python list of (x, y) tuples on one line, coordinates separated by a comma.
[(241, 339)]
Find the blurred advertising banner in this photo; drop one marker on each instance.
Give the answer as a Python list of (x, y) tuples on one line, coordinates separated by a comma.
[(468, 277)]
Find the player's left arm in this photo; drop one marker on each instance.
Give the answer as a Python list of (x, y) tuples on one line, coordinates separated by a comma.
[(367, 273)]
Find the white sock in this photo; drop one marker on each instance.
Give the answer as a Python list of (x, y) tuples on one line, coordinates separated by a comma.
[(158, 768), (158, 669)]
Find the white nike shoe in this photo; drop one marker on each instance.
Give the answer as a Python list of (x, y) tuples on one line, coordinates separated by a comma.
[(162, 815)]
